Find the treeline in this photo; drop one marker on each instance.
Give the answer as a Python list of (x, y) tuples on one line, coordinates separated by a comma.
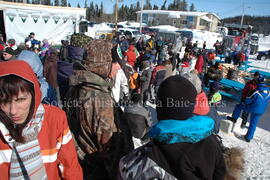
[(260, 24), (95, 12), (63, 3)]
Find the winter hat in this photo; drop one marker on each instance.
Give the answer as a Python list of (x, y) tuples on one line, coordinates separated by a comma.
[(45, 41), (79, 40), (99, 57), (10, 51), (257, 73), (116, 54), (195, 80), (136, 98), (214, 87), (11, 41), (145, 64), (260, 79), (176, 99), (34, 61)]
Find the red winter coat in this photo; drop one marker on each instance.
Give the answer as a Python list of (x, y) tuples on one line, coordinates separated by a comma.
[(199, 64), (201, 106), (249, 88), (131, 55), (55, 139)]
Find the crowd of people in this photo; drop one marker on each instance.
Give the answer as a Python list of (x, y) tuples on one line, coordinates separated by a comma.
[(97, 92)]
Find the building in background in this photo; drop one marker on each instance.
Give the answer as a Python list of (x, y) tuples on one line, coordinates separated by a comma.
[(180, 19)]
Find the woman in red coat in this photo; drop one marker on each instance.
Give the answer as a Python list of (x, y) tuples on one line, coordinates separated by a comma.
[(35, 140), (199, 63), (131, 55)]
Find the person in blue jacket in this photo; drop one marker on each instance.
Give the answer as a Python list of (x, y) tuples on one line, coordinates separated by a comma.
[(256, 104)]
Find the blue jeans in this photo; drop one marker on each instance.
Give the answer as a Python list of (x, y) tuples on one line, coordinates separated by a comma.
[(254, 119)]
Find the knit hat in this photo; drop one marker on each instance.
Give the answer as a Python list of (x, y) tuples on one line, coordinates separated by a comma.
[(10, 51), (214, 87), (257, 73), (11, 41), (99, 57), (176, 99), (260, 79), (195, 80), (115, 54)]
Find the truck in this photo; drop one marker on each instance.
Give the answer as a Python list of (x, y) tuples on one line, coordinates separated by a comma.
[(237, 34), (53, 23), (254, 43)]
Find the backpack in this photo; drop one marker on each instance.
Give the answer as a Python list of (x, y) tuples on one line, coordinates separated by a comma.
[(79, 40), (145, 163)]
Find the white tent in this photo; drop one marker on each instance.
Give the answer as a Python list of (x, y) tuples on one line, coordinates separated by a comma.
[(47, 22)]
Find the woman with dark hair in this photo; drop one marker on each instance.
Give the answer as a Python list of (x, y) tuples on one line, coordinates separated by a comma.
[(35, 141)]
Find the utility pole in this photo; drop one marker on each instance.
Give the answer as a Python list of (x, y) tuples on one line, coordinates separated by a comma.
[(243, 13), (141, 17), (116, 14), (242, 18)]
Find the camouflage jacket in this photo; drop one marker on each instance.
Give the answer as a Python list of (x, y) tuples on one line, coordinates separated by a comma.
[(90, 112)]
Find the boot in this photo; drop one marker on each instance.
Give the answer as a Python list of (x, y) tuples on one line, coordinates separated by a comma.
[(231, 119), (244, 119)]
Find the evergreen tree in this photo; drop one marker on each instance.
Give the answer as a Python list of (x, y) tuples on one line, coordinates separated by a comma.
[(96, 10), (138, 7), (69, 5), (56, 2), (101, 9), (163, 7), (91, 11), (155, 7), (192, 7), (85, 3), (64, 3), (147, 5), (78, 5), (183, 5), (132, 10), (35, 1), (46, 2)]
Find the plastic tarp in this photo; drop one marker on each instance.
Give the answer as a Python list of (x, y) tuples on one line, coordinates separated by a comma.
[(46, 25)]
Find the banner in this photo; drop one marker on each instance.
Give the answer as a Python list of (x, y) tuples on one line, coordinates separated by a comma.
[(11, 16), (45, 18), (56, 19), (23, 17), (35, 18)]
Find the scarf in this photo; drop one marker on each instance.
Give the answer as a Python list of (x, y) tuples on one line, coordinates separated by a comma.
[(26, 160), (191, 130)]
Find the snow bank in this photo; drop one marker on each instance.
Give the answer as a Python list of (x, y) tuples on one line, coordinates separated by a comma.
[(264, 43), (166, 27), (98, 29), (131, 24), (209, 37)]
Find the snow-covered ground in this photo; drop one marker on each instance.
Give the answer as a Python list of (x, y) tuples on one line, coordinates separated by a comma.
[(264, 43), (256, 152)]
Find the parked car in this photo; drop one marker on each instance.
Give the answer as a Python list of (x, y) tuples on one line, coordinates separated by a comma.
[(149, 31), (129, 32), (168, 36), (263, 55), (185, 34), (254, 43), (171, 37)]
